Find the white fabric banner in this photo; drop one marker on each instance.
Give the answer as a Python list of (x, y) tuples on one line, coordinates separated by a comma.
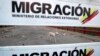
[(82, 49), (48, 13)]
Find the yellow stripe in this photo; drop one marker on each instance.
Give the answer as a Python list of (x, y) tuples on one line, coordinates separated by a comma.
[(85, 16)]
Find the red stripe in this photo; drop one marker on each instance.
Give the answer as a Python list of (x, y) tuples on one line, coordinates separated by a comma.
[(90, 53), (90, 17)]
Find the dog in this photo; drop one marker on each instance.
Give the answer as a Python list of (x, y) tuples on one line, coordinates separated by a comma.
[(53, 34)]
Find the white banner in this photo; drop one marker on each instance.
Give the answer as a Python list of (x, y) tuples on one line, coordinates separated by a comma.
[(82, 49), (48, 12)]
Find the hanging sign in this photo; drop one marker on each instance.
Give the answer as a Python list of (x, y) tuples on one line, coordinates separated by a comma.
[(82, 49), (48, 12)]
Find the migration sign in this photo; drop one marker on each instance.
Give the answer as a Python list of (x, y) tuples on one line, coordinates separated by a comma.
[(82, 49), (48, 12)]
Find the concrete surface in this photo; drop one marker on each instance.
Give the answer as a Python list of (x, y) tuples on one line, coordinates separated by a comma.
[(39, 35)]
